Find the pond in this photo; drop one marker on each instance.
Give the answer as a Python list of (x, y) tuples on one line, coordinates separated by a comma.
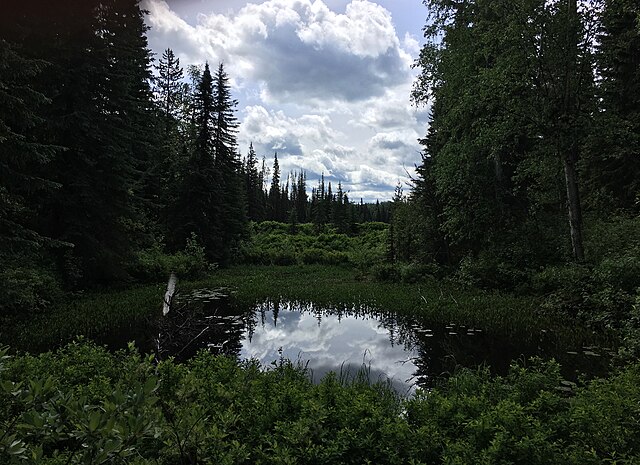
[(349, 340)]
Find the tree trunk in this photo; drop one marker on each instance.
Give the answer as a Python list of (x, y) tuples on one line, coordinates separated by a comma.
[(569, 142), (573, 204)]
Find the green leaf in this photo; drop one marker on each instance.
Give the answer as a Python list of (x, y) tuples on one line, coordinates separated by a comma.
[(94, 421), (150, 385)]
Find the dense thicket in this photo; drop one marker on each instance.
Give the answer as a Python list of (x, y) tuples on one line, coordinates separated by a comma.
[(531, 158), (100, 158), (84, 405), (98, 114)]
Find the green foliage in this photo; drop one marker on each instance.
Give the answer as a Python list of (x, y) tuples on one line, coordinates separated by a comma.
[(603, 292), (154, 264), (83, 405), (274, 243), (519, 131), (489, 270), (92, 315), (27, 290), (385, 272), (61, 411)]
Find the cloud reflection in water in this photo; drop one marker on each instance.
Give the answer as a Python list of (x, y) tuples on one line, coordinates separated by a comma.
[(330, 343)]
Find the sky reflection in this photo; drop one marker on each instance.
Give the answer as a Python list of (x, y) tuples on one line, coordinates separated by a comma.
[(330, 343)]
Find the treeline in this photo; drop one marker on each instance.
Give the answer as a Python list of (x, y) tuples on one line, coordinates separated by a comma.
[(534, 129), (531, 162), (110, 162), (102, 159), (271, 199)]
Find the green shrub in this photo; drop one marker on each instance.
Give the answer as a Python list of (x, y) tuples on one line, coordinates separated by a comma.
[(270, 227), (386, 272), (622, 272), (27, 290), (611, 238), (323, 257), (371, 226), (83, 405), (416, 272), (273, 243), (491, 271), (631, 332), (153, 264)]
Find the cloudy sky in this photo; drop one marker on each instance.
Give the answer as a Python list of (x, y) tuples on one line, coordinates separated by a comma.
[(325, 83)]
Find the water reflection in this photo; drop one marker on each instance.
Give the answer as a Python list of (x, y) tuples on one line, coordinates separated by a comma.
[(329, 341), (344, 338)]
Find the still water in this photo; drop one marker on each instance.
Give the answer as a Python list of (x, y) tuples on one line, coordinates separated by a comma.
[(347, 339)]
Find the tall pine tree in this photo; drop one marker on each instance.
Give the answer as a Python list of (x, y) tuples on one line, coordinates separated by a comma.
[(227, 164)]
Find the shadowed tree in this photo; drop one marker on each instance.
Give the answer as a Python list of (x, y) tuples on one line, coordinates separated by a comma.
[(228, 166), (197, 209)]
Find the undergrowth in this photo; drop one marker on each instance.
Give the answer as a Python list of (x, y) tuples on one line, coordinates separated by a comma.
[(84, 405)]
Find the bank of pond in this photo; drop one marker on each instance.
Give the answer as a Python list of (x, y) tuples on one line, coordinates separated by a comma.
[(312, 365)]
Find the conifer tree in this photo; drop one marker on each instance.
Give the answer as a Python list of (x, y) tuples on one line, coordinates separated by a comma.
[(339, 211), (254, 189), (301, 197), (101, 112), (319, 212), (22, 248), (613, 164), (227, 164), (197, 210), (274, 192), (169, 89)]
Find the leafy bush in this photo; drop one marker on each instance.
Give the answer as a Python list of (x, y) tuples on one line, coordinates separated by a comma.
[(83, 405), (415, 272), (27, 290), (386, 272), (601, 295), (273, 243), (564, 287), (154, 264), (491, 271), (323, 257), (631, 332)]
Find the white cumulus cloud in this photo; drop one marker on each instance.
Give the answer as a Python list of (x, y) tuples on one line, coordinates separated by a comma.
[(327, 90)]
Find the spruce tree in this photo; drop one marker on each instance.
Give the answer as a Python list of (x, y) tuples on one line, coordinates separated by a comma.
[(169, 89), (25, 273), (302, 200), (100, 113), (339, 211), (274, 192), (253, 183), (227, 164), (197, 209)]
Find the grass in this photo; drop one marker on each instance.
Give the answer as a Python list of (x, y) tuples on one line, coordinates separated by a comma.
[(434, 301), (90, 315)]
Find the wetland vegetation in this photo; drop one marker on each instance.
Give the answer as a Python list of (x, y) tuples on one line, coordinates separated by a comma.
[(490, 316)]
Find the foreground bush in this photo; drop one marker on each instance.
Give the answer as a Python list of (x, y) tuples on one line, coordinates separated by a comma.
[(83, 405)]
